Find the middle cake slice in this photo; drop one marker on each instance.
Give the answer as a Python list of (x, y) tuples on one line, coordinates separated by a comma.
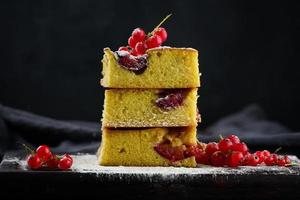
[(150, 108)]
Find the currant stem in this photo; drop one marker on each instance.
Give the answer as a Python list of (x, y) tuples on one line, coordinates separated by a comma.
[(278, 149), (168, 16), (292, 164), (28, 149), (221, 137)]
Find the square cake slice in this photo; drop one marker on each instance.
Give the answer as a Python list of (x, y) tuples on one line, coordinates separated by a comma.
[(150, 108), (148, 147), (163, 67)]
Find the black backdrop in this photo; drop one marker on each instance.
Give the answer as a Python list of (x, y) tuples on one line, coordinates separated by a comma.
[(51, 50)]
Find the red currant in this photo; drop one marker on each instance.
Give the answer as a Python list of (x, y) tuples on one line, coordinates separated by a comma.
[(287, 160), (138, 34), (281, 162), (140, 48), (52, 162), (234, 139), (275, 157), (253, 160), (260, 155), (235, 159), (123, 49), (153, 41), (162, 33), (242, 147), (211, 148), (43, 152), (266, 153), (34, 161), (132, 42), (133, 52), (225, 145), (69, 156), (65, 163), (271, 160), (217, 159), (202, 157)]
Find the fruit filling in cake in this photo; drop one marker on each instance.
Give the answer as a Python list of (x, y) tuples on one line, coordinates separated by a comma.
[(136, 64), (148, 147), (150, 108)]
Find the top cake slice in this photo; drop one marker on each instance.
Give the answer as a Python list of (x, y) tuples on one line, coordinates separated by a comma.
[(162, 67)]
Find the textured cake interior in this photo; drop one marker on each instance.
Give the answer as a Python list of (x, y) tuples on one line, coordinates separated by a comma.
[(137, 108), (136, 147), (167, 68)]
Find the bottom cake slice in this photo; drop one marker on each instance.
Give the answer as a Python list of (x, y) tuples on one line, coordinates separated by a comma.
[(148, 147)]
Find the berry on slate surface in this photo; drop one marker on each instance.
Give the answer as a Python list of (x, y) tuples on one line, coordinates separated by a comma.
[(42, 157), (225, 145), (217, 159), (65, 163), (234, 139), (43, 152), (235, 159), (211, 148), (34, 161)]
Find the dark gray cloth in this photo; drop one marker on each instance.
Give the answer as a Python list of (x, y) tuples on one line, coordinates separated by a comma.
[(250, 124)]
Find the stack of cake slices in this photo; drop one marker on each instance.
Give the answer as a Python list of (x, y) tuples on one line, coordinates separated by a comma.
[(150, 108)]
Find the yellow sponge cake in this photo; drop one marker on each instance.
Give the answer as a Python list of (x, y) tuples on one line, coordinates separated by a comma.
[(162, 67), (150, 108), (147, 147)]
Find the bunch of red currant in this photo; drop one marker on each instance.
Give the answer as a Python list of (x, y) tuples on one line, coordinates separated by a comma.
[(43, 158), (139, 42), (231, 152)]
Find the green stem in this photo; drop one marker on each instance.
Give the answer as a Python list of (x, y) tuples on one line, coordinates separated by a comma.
[(28, 149), (221, 137), (168, 16), (278, 149), (293, 164)]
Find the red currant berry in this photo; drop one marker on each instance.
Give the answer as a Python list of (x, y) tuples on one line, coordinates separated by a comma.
[(138, 34), (68, 156), (65, 163), (271, 160), (234, 139), (242, 147), (201, 157), (235, 159), (246, 158), (133, 52), (123, 49), (266, 153), (43, 152), (253, 160), (132, 42), (211, 148), (281, 162), (52, 162), (140, 48), (225, 145), (162, 33), (275, 157), (287, 160), (34, 161), (217, 159), (153, 41), (261, 156)]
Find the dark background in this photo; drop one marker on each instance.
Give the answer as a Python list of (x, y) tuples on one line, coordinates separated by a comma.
[(249, 53)]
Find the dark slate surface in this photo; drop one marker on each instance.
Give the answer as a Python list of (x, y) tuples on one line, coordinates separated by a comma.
[(87, 179)]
